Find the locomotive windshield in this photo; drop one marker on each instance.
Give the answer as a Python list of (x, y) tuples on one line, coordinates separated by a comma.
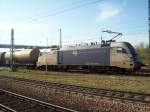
[(121, 50)]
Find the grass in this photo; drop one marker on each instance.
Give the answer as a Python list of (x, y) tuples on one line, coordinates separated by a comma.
[(128, 83)]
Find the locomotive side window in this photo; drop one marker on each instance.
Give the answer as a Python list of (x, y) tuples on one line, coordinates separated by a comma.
[(121, 50)]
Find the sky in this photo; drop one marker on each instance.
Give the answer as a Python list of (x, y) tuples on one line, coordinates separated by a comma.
[(37, 22)]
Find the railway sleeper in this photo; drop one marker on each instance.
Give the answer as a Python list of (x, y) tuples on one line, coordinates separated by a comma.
[(26, 108), (6, 100)]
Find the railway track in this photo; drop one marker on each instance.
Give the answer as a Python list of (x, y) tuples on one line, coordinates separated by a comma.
[(115, 94), (12, 102), (142, 72), (136, 73)]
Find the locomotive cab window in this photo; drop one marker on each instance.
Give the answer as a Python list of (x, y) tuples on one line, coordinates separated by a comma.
[(121, 50)]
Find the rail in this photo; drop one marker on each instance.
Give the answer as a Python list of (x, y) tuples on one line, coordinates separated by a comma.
[(117, 94), (12, 102)]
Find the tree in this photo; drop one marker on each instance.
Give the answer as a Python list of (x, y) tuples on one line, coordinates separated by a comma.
[(142, 52)]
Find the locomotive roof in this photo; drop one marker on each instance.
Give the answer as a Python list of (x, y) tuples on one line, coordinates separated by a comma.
[(113, 44), (119, 44), (82, 47)]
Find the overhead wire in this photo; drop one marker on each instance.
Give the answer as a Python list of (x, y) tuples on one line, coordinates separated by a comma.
[(62, 11), (53, 10), (98, 38)]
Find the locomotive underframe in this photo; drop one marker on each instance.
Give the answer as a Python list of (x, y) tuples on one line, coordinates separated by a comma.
[(87, 68)]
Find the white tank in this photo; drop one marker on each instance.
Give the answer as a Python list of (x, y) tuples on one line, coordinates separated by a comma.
[(24, 56)]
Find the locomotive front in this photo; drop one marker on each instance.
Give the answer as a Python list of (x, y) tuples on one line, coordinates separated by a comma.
[(123, 55), (133, 56)]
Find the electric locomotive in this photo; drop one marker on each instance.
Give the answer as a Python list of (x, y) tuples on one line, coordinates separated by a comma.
[(110, 55)]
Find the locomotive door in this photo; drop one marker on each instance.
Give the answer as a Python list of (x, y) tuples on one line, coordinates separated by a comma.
[(60, 57)]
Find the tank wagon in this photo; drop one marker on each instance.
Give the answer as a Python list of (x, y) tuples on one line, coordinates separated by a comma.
[(25, 57), (113, 56)]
